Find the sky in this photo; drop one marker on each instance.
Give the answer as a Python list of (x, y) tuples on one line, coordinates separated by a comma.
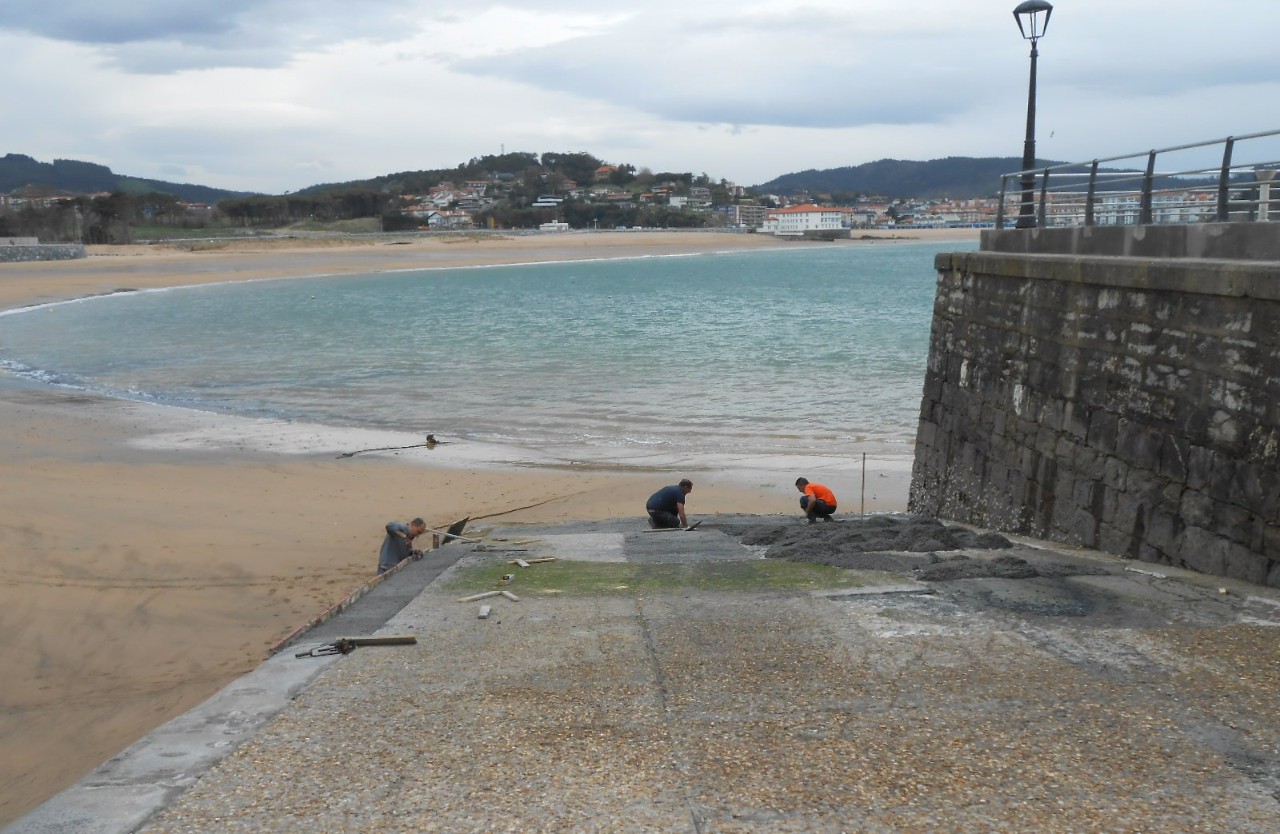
[(277, 95)]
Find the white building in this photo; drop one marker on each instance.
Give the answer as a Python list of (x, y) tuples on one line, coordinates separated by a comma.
[(797, 220)]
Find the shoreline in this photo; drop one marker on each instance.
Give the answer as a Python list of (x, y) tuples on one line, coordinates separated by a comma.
[(152, 554)]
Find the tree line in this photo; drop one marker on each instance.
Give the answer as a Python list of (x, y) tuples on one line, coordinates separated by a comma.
[(515, 182)]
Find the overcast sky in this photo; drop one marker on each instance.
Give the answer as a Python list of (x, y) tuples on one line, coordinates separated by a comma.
[(276, 95)]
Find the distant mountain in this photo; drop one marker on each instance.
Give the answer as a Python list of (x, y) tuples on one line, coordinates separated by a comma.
[(957, 177), (67, 176)]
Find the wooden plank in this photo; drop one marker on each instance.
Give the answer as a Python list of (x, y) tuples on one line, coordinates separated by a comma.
[(521, 562), (388, 640), (475, 597), (510, 596)]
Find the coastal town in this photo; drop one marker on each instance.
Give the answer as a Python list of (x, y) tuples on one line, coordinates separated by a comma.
[(557, 193)]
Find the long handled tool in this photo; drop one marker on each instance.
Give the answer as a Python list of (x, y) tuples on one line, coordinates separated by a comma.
[(346, 645)]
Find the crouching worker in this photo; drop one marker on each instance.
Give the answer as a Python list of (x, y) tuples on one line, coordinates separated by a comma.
[(666, 506), (817, 501), (398, 545)]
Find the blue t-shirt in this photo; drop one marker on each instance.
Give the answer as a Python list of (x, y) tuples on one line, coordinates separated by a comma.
[(666, 499)]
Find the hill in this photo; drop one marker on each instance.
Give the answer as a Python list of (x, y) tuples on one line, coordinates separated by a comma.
[(956, 177), (67, 176)]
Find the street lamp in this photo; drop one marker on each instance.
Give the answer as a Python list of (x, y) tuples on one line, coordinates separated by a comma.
[(1032, 26)]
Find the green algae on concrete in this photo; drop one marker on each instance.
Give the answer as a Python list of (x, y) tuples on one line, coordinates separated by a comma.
[(578, 578)]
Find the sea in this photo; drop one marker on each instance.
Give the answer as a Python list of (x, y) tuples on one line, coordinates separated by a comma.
[(809, 350)]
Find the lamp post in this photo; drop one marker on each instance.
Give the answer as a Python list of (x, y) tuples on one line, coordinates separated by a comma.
[(1032, 26)]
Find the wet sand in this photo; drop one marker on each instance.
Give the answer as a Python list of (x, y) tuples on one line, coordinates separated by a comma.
[(152, 555)]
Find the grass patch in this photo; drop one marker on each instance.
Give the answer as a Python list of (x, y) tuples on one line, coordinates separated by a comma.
[(162, 233), (355, 225), (566, 577)]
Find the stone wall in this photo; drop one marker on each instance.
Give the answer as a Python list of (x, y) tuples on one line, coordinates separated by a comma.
[(1128, 404), (41, 252)]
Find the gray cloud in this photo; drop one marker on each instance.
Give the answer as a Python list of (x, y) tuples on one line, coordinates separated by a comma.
[(805, 68), (132, 21), (162, 36), (337, 90)]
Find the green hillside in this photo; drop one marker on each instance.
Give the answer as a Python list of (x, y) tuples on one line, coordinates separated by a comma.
[(956, 177), (67, 176)]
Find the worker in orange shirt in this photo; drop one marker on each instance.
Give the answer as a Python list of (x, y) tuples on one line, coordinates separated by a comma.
[(817, 501)]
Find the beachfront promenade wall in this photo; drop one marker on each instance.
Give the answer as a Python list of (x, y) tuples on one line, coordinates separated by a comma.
[(17, 252), (1117, 388)]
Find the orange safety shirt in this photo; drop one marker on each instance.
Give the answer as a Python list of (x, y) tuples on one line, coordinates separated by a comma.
[(820, 493)]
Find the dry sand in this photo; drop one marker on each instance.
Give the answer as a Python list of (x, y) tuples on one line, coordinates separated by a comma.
[(140, 577)]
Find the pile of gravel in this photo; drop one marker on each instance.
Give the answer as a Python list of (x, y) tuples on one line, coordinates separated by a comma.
[(923, 548), (888, 543)]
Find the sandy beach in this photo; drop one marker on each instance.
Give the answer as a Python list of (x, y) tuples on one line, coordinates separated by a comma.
[(152, 555)]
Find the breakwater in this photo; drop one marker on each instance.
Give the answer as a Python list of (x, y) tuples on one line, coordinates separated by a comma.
[(21, 252), (1115, 388)]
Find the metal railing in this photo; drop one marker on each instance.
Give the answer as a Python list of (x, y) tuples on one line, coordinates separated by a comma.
[(1103, 192)]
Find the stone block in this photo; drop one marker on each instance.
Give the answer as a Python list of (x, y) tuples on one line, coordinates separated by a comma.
[(1226, 432), (1222, 477), (1246, 564), (1196, 509), (1046, 442), (1146, 488), (1201, 550), (1138, 444), (1271, 541), (1115, 473), (1235, 523), (1112, 540), (1200, 462), (1088, 463), (999, 423), (1103, 429), (1084, 528), (1175, 455), (1247, 484), (1162, 529), (1147, 553), (1075, 420)]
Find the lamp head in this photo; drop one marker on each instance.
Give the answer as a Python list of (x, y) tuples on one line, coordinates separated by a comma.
[(1033, 18)]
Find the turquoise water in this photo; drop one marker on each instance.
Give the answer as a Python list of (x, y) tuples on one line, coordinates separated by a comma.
[(778, 352)]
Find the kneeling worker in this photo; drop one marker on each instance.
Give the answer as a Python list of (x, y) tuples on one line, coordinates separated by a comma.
[(817, 501), (398, 545), (666, 506)]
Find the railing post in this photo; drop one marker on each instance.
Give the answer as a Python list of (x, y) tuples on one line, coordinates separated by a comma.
[(1144, 212), (1004, 184), (1224, 182), (1044, 188), (1093, 189), (1265, 176)]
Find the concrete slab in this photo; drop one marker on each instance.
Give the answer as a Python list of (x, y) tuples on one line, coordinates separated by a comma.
[(1104, 701)]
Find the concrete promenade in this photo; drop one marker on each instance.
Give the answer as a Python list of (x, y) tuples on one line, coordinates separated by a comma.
[(678, 682)]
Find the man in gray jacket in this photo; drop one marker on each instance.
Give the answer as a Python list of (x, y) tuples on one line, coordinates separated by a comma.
[(398, 545)]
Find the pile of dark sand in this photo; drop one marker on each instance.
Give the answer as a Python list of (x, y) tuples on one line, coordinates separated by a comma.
[(911, 545), (889, 543)]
